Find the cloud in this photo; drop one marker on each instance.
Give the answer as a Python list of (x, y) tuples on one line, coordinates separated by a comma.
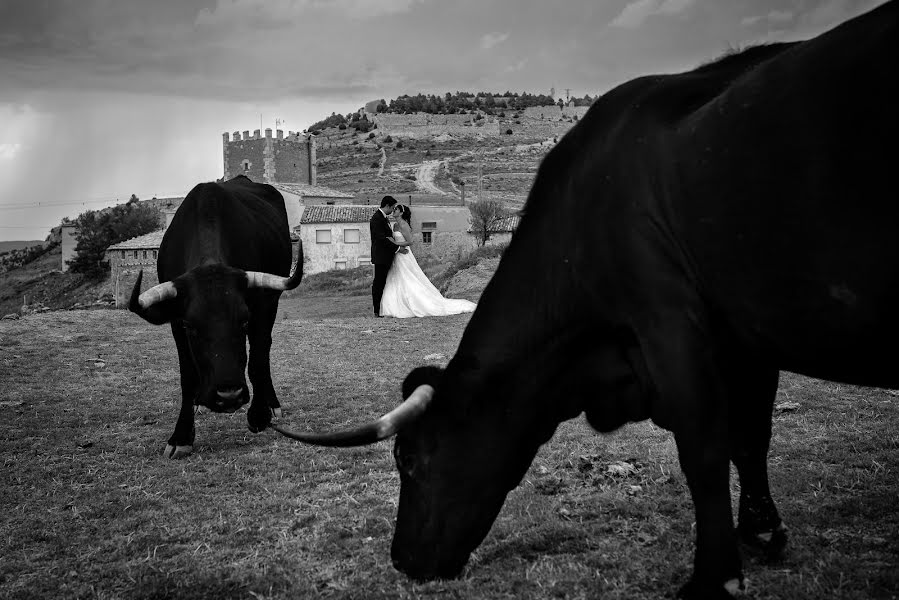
[(779, 16), (775, 16), (519, 66), (634, 14), (9, 151), (494, 38), (673, 7), (283, 13)]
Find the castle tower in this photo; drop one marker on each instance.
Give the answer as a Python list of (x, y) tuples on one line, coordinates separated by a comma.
[(270, 159)]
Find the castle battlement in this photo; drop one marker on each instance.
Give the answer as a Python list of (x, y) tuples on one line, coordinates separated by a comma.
[(292, 136), (269, 159)]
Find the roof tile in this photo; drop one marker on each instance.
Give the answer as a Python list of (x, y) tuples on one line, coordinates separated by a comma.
[(337, 213)]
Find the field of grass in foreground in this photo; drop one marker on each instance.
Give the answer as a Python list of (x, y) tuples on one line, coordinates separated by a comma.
[(91, 510)]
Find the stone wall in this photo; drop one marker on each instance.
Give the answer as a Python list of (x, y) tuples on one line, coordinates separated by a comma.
[(268, 159), (425, 124), (554, 112)]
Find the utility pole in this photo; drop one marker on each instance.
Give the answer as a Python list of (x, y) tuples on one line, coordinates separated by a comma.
[(566, 92)]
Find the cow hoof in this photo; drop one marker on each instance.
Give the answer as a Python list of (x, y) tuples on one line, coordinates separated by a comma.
[(257, 428), (768, 546), (277, 413), (177, 451), (732, 588)]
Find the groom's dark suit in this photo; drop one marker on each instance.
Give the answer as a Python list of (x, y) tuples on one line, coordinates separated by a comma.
[(382, 253)]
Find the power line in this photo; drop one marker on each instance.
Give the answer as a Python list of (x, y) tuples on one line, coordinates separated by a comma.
[(28, 226), (43, 204)]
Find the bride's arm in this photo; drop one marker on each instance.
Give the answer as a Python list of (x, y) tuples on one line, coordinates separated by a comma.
[(407, 234)]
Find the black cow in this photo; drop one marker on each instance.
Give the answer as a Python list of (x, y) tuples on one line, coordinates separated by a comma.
[(223, 264), (690, 237)]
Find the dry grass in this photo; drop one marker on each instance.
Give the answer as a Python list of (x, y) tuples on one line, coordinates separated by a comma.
[(91, 510)]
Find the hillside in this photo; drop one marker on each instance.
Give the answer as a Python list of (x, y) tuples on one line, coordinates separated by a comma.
[(41, 283), (428, 164), (18, 245)]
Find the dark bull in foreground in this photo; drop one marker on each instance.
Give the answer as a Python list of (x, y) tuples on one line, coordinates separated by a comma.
[(691, 236), (222, 266)]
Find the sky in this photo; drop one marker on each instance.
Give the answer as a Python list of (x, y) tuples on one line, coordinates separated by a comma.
[(102, 99)]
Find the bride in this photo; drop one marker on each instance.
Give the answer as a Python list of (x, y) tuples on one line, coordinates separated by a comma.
[(408, 291)]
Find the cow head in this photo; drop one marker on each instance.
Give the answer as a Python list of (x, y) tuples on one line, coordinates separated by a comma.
[(210, 317)]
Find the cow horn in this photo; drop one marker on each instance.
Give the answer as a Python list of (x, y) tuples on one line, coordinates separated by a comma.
[(157, 293), (256, 279), (410, 409)]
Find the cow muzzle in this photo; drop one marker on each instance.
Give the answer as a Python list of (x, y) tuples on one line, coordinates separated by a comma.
[(228, 398)]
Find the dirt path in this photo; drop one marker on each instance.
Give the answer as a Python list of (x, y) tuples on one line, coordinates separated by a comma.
[(424, 177), (383, 162)]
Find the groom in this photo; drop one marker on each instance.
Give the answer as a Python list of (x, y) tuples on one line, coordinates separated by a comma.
[(382, 250)]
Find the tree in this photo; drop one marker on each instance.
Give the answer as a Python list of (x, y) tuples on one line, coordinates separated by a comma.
[(486, 216), (98, 230)]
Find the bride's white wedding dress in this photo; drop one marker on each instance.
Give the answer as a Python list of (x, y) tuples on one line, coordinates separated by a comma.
[(409, 293)]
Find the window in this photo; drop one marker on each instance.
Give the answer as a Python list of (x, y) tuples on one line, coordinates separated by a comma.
[(329, 203), (145, 255), (351, 236), (246, 166), (322, 236), (425, 237), (340, 264), (429, 224), (123, 254), (364, 261), (135, 254), (155, 254)]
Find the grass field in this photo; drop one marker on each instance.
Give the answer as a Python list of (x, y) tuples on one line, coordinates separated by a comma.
[(91, 510)]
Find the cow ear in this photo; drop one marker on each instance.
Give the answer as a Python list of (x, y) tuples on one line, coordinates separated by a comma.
[(429, 375)]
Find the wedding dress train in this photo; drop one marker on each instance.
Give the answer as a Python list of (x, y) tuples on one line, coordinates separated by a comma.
[(409, 293)]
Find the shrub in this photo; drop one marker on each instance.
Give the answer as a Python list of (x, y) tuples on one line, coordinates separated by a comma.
[(399, 144), (376, 164), (371, 136), (342, 126), (388, 139), (98, 230), (508, 132)]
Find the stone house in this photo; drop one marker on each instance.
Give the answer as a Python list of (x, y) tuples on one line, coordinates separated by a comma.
[(338, 236)]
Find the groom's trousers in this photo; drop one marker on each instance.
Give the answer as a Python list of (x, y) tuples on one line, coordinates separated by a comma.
[(377, 286)]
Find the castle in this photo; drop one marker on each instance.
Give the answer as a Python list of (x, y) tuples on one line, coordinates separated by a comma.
[(270, 159)]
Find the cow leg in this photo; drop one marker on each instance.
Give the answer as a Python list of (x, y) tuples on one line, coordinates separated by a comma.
[(717, 570), (265, 401), (181, 443), (760, 527), (691, 385)]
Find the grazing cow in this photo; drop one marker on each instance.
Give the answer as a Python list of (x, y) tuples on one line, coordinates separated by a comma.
[(223, 264), (690, 237)]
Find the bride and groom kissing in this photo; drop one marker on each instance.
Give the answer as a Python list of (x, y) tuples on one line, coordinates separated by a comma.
[(400, 288)]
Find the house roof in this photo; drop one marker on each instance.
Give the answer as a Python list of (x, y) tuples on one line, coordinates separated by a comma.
[(505, 225), (149, 241), (337, 213), (304, 189)]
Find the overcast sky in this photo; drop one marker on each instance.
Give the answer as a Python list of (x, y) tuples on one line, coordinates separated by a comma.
[(101, 99)]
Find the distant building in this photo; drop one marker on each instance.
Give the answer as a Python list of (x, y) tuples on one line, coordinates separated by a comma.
[(270, 159), (338, 236), (297, 196)]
